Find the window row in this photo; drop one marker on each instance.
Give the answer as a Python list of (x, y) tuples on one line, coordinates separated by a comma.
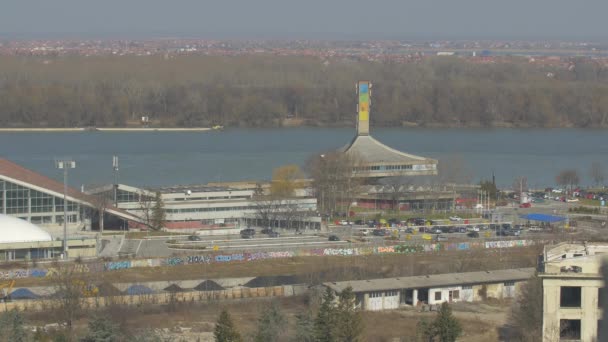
[(196, 210), (382, 168)]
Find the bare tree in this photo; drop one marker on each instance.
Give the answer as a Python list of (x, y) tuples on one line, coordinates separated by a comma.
[(102, 201), (333, 179), (396, 188), (568, 178), (520, 184), (71, 287), (454, 170), (597, 174)]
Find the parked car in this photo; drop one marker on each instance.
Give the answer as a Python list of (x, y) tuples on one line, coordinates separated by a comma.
[(455, 218), (441, 238), (266, 231), (436, 230), (333, 238), (380, 232), (274, 234), (420, 221), (359, 222), (473, 234), (409, 230), (247, 233), (194, 238), (462, 229), (525, 205)]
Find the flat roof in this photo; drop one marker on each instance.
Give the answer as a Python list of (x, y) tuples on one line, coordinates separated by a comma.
[(193, 188), (434, 280)]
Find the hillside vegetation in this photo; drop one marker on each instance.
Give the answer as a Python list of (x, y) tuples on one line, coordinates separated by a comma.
[(265, 90)]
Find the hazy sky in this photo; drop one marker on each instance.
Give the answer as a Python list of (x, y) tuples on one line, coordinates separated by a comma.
[(306, 18)]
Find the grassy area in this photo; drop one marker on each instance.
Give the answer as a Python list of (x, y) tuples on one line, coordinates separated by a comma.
[(480, 321), (590, 202)]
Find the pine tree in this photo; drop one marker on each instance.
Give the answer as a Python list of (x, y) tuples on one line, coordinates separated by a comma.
[(225, 331), (102, 329), (271, 324), (349, 325), (305, 328), (446, 325), (324, 323), (158, 212)]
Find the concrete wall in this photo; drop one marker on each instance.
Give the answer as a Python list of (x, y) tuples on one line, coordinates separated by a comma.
[(588, 313)]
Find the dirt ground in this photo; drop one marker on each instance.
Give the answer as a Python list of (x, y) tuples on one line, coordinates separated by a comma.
[(314, 270), (190, 322)]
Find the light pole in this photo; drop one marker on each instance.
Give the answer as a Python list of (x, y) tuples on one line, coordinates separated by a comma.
[(65, 164), (115, 168)]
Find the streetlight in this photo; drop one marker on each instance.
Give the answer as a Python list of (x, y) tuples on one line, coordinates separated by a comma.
[(65, 164)]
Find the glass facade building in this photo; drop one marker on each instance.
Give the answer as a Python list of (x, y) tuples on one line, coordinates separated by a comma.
[(35, 206)]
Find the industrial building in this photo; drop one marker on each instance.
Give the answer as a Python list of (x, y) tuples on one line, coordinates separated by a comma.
[(393, 293), (572, 291)]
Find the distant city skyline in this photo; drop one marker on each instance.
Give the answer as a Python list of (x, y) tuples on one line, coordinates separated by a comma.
[(312, 19)]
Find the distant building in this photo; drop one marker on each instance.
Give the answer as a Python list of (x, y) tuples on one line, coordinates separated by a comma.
[(38, 199), (572, 291), (393, 293), (201, 206), (374, 160)]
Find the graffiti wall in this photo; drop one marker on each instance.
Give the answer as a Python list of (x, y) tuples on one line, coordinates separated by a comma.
[(253, 256)]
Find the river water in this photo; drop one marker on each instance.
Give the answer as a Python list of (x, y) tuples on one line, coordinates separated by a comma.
[(171, 158)]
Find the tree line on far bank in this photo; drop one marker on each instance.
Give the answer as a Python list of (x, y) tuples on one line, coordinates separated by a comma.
[(255, 91)]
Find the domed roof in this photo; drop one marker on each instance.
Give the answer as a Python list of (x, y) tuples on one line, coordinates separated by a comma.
[(13, 229)]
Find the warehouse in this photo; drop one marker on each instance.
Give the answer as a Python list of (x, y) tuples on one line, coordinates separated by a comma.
[(393, 293)]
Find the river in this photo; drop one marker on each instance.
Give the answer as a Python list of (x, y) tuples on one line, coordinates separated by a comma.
[(171, 158)]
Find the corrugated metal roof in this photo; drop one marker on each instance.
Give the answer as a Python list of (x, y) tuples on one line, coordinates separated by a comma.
[(434, 280)]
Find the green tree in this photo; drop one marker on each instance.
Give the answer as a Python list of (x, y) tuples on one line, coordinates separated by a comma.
[(158, 212), (446, 325), (527, 313), (102, 329), (11, 327), (425, 331), (305, 327), (324, 323), (225, 331), (271, 324), (349, 325)]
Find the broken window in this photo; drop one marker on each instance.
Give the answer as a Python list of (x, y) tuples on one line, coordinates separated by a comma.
[(570, 297), (570, 329)]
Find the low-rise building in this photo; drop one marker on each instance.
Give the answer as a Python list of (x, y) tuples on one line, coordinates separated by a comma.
[(212, 205), (572, 291), (392, 293)]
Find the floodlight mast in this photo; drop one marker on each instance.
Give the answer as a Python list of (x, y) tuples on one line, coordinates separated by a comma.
[(65, 164)]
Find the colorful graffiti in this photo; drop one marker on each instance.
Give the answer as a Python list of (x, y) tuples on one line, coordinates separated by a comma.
[(253, 256)]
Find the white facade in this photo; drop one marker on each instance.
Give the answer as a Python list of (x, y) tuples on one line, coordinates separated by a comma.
[(210, 205), (13, 230), (572, 287)]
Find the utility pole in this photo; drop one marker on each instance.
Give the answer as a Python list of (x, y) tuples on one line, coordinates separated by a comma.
[(65, 164), (115, 168)]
